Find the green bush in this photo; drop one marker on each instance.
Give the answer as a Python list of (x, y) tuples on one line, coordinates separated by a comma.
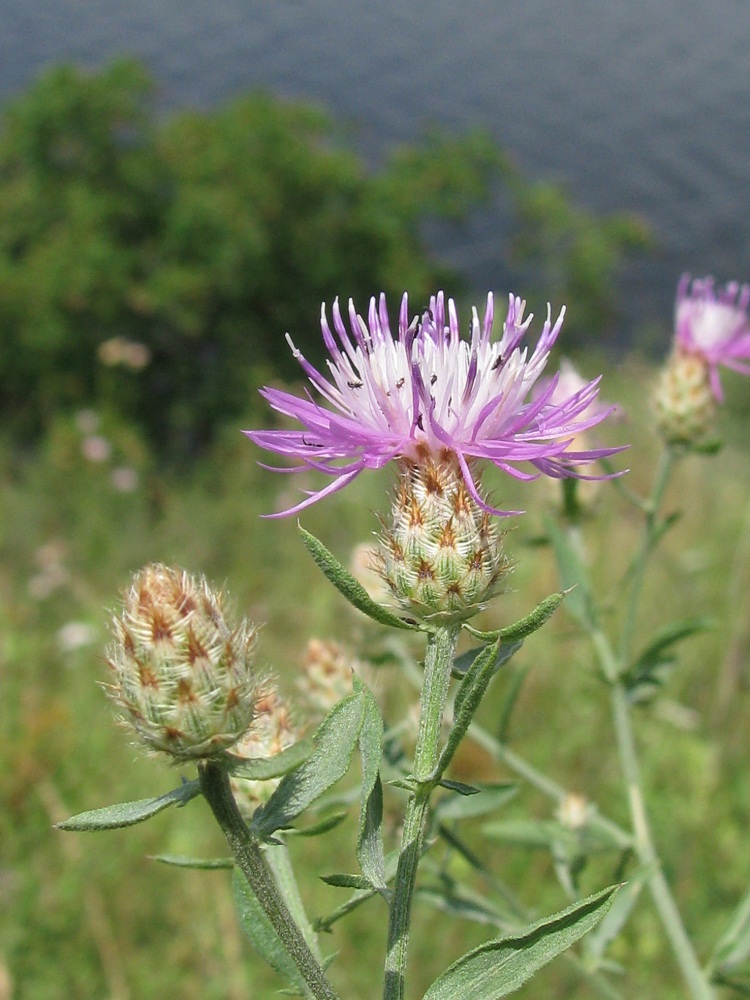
[(151, 266)]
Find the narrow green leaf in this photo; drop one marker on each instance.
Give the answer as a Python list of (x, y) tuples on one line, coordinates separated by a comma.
[(487, 799), (321, 826), (263, 768), (129, 813), (348, 881), (370, 850), (524, 626), (350, 588), (280, 864), (499, 967), (485, 665), (470, 693), (645, 669), (334, 742), (180, 861), (458, 786), (259, 931), (573, 576)]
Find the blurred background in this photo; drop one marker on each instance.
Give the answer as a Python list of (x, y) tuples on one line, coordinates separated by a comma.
[(183, 183)]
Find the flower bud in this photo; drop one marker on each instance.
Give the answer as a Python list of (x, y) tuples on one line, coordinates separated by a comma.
[(442, 554), (182, 675), (684, 403)]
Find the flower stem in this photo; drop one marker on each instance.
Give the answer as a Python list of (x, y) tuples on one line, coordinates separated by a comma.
[(682, 947), (651, 533), (441, 646), (613, 665), (249, 857)]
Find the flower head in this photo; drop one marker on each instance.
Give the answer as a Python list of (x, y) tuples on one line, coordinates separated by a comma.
[(713, 325), (428, 390), (183, 677)]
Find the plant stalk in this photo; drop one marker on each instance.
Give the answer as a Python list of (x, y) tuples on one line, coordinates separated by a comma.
[(441, 646), (249, 857)]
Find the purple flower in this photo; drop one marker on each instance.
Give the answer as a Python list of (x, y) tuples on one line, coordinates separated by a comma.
[(428, 391), (713, 325)]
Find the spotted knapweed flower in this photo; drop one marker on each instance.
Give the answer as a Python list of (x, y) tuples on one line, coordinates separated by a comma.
[(427, 391), (183, 677), (711, 329), (712, 325)]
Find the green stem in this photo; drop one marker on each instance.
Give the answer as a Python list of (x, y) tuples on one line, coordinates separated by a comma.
[(652, 530), (647, 854), (613, 666), (437, 677), (249, 857)]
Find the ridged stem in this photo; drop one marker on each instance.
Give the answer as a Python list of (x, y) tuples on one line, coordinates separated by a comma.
[(437, 676), (249, 857)]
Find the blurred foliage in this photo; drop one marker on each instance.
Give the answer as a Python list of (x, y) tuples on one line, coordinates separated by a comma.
[(151, 266)]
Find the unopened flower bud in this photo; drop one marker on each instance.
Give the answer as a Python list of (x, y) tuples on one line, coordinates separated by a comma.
[(183, 676), (684, 403), (442, 554)]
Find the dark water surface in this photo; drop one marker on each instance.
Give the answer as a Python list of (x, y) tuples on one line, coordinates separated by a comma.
[(641, 105)]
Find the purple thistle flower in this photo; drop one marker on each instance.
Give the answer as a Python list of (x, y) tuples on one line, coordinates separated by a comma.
[(713, 325), (427, 389)]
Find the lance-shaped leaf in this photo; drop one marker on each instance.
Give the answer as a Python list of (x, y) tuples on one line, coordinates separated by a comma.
[(487, 662), (524, 626), (130, 813), (350, 588), (499, 967), (202, 864), (647, 672), (334, 742), (370, 851), (263, 768), (487, 799), (261, 934), (281, 865)]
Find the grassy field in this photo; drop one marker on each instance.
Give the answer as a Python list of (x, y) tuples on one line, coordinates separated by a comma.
[(92, 917)]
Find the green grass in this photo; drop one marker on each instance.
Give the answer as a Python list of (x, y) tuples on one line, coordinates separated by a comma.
[(90, 916)]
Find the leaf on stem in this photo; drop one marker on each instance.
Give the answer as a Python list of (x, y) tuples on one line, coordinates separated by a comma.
[(350, 588), (476, 680), (499, 967), (259, 931), (524, 626), (263, 768), (334, 742), (649, 670), (487, 799), (129, 813), (203, 864), (370, 850)]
